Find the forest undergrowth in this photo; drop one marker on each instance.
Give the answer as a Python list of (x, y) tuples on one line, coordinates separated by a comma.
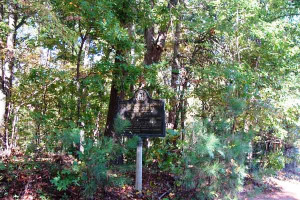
[(226, 70)]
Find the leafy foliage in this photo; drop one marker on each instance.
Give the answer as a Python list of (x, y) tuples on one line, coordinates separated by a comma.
[(228, 71)]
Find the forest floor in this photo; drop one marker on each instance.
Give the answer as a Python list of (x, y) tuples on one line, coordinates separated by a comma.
[(284, 186), (27, 179)]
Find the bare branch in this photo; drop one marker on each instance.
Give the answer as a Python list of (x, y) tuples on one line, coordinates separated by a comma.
[(23, 21)]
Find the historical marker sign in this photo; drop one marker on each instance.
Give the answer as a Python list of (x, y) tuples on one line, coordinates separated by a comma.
[(146, 115)]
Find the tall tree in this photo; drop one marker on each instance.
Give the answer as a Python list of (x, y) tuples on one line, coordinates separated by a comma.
[(155, 42), (125, 14), (16, 19), (175, 78)]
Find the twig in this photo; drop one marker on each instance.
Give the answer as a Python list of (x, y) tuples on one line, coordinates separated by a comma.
[(161, 196)]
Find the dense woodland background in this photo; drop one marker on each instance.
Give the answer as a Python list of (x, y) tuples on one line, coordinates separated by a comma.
[(227, 69)]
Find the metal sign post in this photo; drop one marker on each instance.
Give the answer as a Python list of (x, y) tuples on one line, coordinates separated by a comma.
[(139, 166), (147, 119)]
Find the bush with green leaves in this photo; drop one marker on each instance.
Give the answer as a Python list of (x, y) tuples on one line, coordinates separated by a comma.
[(275, 161), (94, 166), (165, 153), (213, 166), (91, 169), (66, 178)]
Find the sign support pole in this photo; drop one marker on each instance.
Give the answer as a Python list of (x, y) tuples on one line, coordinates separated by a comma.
[(139, 165), (147, 119)]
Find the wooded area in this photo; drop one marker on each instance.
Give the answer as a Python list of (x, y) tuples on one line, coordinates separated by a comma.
[(228, 71)]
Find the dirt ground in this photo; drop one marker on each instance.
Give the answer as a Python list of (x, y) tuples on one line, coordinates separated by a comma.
[(29, 179), (286, 186)]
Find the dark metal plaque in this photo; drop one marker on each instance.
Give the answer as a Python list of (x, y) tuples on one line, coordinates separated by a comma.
[(146, 115)]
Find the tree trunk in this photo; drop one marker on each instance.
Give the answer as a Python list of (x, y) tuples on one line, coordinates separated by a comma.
[(183, 107), (1, 12), (78, 85), (113, 100), (8, 71), (2, 91), (86, 52), (14, 129), (131, 34), (2, 104), (173, 114), (97, 129), (154, 49), (155, 44), (79, 92), (2, 112)]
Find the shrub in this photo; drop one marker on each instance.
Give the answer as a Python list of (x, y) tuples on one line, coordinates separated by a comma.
[(213, 165), (165, 154), (91, 170)]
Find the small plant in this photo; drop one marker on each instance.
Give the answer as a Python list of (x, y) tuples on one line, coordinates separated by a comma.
[(2, 166), (120, 124), (275, 161), (65, 178), (210, 160), (166, 153), (94, 165)]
